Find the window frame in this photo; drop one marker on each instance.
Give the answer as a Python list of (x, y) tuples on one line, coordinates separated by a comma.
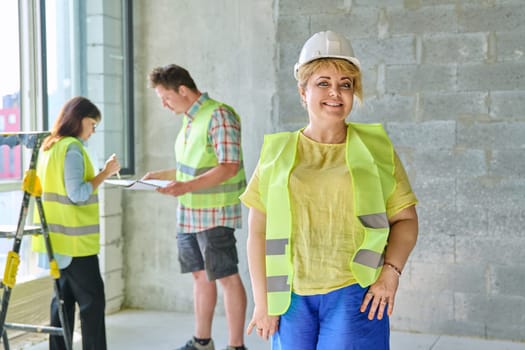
[(33, 89)]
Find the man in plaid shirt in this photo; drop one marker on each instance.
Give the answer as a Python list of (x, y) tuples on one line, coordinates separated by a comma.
[(208, 179)]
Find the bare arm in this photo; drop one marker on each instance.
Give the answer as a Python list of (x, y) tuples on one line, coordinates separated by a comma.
[(265, 325), (256, 256), (212, 177), (402, 238), (401, 241)]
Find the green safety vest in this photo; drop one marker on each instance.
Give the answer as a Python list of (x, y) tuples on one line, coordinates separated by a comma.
[(370, 160), (194, 157), (73, 227)]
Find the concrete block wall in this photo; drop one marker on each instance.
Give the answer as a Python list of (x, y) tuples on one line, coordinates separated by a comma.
[(229, 48), (445, 77), (105, 71), (111, 257)]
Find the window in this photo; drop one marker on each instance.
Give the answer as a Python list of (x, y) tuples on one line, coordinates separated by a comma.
[(88, 54), (53, 50), (10, 157)]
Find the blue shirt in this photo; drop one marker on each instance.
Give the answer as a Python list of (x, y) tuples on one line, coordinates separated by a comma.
[(77, 189)]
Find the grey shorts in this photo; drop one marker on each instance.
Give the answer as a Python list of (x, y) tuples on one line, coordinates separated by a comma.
[(212, 250)]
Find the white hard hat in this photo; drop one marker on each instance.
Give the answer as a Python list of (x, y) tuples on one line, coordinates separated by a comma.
[(326, 45)]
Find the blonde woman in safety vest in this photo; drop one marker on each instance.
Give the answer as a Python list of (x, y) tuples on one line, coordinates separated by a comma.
[(70, 201), (332, 216)]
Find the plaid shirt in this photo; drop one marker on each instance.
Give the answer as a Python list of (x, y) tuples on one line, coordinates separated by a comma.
[(224, 133)]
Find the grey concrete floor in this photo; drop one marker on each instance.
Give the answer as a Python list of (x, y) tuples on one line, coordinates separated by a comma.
[(144, 330)]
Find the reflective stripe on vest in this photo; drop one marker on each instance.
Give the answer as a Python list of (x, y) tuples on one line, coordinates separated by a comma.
[(54, 197), (369, 156), (73, 227), (195, 157)]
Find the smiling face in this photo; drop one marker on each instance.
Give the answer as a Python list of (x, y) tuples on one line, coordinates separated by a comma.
[(328, 95)]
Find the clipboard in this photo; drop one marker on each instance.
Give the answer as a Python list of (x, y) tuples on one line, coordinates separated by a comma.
[(150, 185)]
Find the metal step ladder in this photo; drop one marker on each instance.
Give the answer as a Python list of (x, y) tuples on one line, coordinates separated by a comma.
[(32, 188)]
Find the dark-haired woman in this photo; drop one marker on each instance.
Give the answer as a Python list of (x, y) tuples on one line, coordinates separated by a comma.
[(70, 203)]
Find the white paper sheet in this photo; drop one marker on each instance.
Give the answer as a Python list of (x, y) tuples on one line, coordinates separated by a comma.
[(150, 185)]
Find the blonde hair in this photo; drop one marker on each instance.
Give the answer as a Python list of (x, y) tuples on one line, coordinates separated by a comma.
[(306, 71)]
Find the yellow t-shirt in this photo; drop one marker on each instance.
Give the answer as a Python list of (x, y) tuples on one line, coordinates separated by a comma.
[(325, 231)]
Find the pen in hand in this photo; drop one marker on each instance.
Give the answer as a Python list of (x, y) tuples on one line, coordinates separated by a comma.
[(118, 172)]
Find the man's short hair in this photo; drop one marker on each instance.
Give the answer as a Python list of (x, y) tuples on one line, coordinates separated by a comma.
[(171, 77)]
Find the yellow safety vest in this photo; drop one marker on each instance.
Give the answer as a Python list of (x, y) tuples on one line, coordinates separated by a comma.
[(73, 227), (370, 159), (194, 157)]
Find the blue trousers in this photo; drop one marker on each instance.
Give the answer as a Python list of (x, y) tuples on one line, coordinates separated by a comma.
[(331, 321)]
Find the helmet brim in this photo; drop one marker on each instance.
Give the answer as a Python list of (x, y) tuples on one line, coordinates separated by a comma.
[(352, 60)]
